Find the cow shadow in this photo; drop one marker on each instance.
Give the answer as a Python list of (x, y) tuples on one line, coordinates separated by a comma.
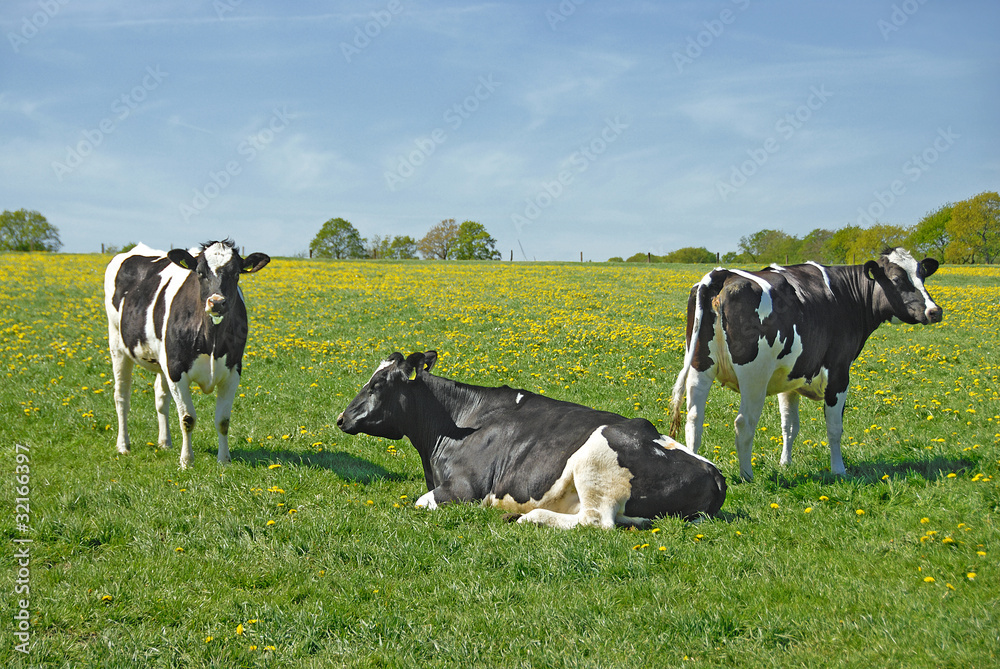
[(346, 466), (877, 471)]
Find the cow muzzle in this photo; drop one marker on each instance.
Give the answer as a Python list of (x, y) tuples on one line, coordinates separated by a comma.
[(935, 314), (215, 307)]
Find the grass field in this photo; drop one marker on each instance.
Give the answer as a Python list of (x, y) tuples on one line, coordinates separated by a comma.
[(307, 550)]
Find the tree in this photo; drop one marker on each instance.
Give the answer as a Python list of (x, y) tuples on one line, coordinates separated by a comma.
[(439, 240), (767, 246), (337, 239), (871, 241), (815, 246), (474, 243), (930, 237), (394, 248), (839, 246), (24, 230), (690, 254), (975, 229)]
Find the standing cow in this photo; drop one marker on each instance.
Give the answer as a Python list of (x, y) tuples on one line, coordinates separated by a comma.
[(559, 464), (791, 331), (181, 315)]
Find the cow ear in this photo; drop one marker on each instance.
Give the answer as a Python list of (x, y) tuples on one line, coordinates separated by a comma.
[(430, 357), (413, 365), (254, 262), (873, 271), (929, 265), (182, 258)]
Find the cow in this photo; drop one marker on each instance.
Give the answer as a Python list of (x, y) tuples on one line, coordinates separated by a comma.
[(792, 331), (549, 462), (181, 315)]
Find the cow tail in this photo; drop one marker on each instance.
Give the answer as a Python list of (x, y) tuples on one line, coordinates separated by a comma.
[(689, 343)]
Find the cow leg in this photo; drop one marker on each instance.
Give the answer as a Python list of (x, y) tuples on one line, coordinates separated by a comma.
[(788, 404), (185, 412), (751, 405), (834, 430), (225, 395), (698, 385), (122, 366), (162, 390)]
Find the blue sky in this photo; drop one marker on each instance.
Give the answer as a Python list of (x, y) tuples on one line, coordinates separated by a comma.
[(606, 128)]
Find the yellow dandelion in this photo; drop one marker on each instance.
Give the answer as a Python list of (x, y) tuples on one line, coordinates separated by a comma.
[(274, 466), (107, 598), (663, 548), (981, 553), (928, 579), (239, 629), (253, 647), (774, 505), (824, 498), (178, 550), (808, 509), (924, 521), (952, 475), (209, 639), (270, 522), (947, 540), (971, 576), (860, 512), (270, 648)]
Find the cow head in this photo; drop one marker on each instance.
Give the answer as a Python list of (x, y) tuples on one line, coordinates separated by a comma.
[(218, 267), (901, 279), (380, 408)]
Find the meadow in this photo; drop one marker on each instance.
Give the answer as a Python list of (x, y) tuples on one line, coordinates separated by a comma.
[(307, 550)]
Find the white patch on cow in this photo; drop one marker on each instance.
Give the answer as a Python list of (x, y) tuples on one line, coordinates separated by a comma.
[(208, 372), (426, 501), (826, 277), (592, 490), (672, 444), (382, 365), (766, 306), (218, 255), (520, 396), (904, 260)]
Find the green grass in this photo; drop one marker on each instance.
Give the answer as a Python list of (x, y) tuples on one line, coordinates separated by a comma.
[(350, 574)]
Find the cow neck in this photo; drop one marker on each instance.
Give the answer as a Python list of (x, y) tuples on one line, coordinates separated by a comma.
[(866, 294), (443, 409)]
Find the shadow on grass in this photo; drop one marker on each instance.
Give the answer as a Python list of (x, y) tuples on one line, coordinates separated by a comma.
[(930, 469), (346, 466)]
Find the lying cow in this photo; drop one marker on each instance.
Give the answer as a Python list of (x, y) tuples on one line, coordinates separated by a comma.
[(791, 331), (558, 463), (180, 315)]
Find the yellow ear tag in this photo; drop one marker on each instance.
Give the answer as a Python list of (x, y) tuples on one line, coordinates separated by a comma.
[(413, 373)]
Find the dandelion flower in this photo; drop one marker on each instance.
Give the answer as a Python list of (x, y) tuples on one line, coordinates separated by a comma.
[(274, 466), (808, 509), (239, 629), (270, 522), (924, 521), (928, 579), (824, 498), (209, 639), (107, 598), (178, 550), (971, 576), (774, 505), (860, 512)]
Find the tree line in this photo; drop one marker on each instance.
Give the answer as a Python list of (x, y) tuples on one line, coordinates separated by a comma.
[(447, 240), (957, 232)]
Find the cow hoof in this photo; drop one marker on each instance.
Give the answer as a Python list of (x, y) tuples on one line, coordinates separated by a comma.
[(165, 445), (511, 517), (124, 450)]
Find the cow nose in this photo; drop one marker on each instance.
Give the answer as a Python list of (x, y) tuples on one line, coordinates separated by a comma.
[(340, 420), (214, 303), (934, 315)]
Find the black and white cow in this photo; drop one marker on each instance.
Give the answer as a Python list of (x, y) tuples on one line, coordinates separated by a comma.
[(181, 315), (559, 464), (791, 331)]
